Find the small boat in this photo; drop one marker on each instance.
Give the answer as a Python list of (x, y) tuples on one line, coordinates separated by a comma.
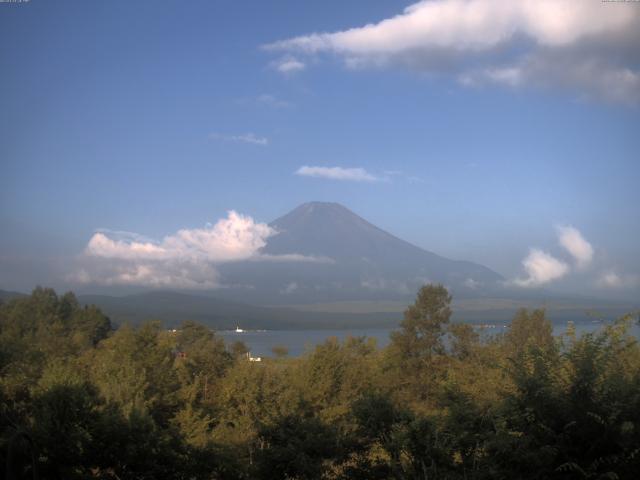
[(239, 330)]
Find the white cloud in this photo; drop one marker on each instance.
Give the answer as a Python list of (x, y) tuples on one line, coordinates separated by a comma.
[(233, 238), (186, 259), (288, 65), (587, 46), (337, 173), (573, 242), (100, 245), (610, 279), (242, 138), (170, 274), (613, 280), (541, 268)]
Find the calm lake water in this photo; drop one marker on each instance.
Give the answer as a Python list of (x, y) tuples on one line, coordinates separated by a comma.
[(260, 342)]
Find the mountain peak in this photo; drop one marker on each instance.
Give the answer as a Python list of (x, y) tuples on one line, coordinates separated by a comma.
[(332, 230), (319, 204), (324, 222), (319, 207)]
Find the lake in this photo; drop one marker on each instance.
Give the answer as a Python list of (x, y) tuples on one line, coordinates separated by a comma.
[(260, 342)]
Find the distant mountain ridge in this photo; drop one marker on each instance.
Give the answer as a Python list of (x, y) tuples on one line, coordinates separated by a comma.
[(365, 262), (6, 295), (172, 308)]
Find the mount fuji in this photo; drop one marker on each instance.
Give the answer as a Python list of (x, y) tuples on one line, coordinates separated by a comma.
[(323, 252)]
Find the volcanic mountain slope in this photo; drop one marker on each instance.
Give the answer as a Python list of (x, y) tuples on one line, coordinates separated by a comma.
[(323, 252)]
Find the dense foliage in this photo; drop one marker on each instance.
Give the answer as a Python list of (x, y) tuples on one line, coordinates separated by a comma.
[(80, 399)]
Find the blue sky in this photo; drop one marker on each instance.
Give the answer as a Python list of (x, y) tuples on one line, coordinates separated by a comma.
[(151, 117)]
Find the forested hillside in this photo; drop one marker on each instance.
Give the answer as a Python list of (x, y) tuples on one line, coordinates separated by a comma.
[(79, 400)]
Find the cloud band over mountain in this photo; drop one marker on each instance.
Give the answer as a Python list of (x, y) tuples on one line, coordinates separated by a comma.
[(186, 259)]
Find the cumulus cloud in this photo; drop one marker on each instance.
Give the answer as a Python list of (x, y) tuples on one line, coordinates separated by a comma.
[(288, 64), (233, 238), (186, 259), (541, 268), (251, 138), (573, 242), (587, 46), (337, 173)]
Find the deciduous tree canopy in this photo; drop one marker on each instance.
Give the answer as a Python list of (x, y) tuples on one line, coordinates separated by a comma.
[(80, 399)]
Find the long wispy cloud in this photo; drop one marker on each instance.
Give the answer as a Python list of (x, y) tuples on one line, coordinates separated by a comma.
[(185, 259), (337, 173), (251, 138), (589, 47)]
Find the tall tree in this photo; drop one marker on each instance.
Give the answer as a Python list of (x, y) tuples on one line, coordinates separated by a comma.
[(417, 351), (421, 331)]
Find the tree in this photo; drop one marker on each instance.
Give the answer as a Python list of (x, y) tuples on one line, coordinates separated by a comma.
[(422, 327), (251, 395), (78, 400), (413, 445), (65, 418), (335, 373), (464, 340), (204, 359), (134, 368), (416, 353), (295, 446), (530, 330)]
